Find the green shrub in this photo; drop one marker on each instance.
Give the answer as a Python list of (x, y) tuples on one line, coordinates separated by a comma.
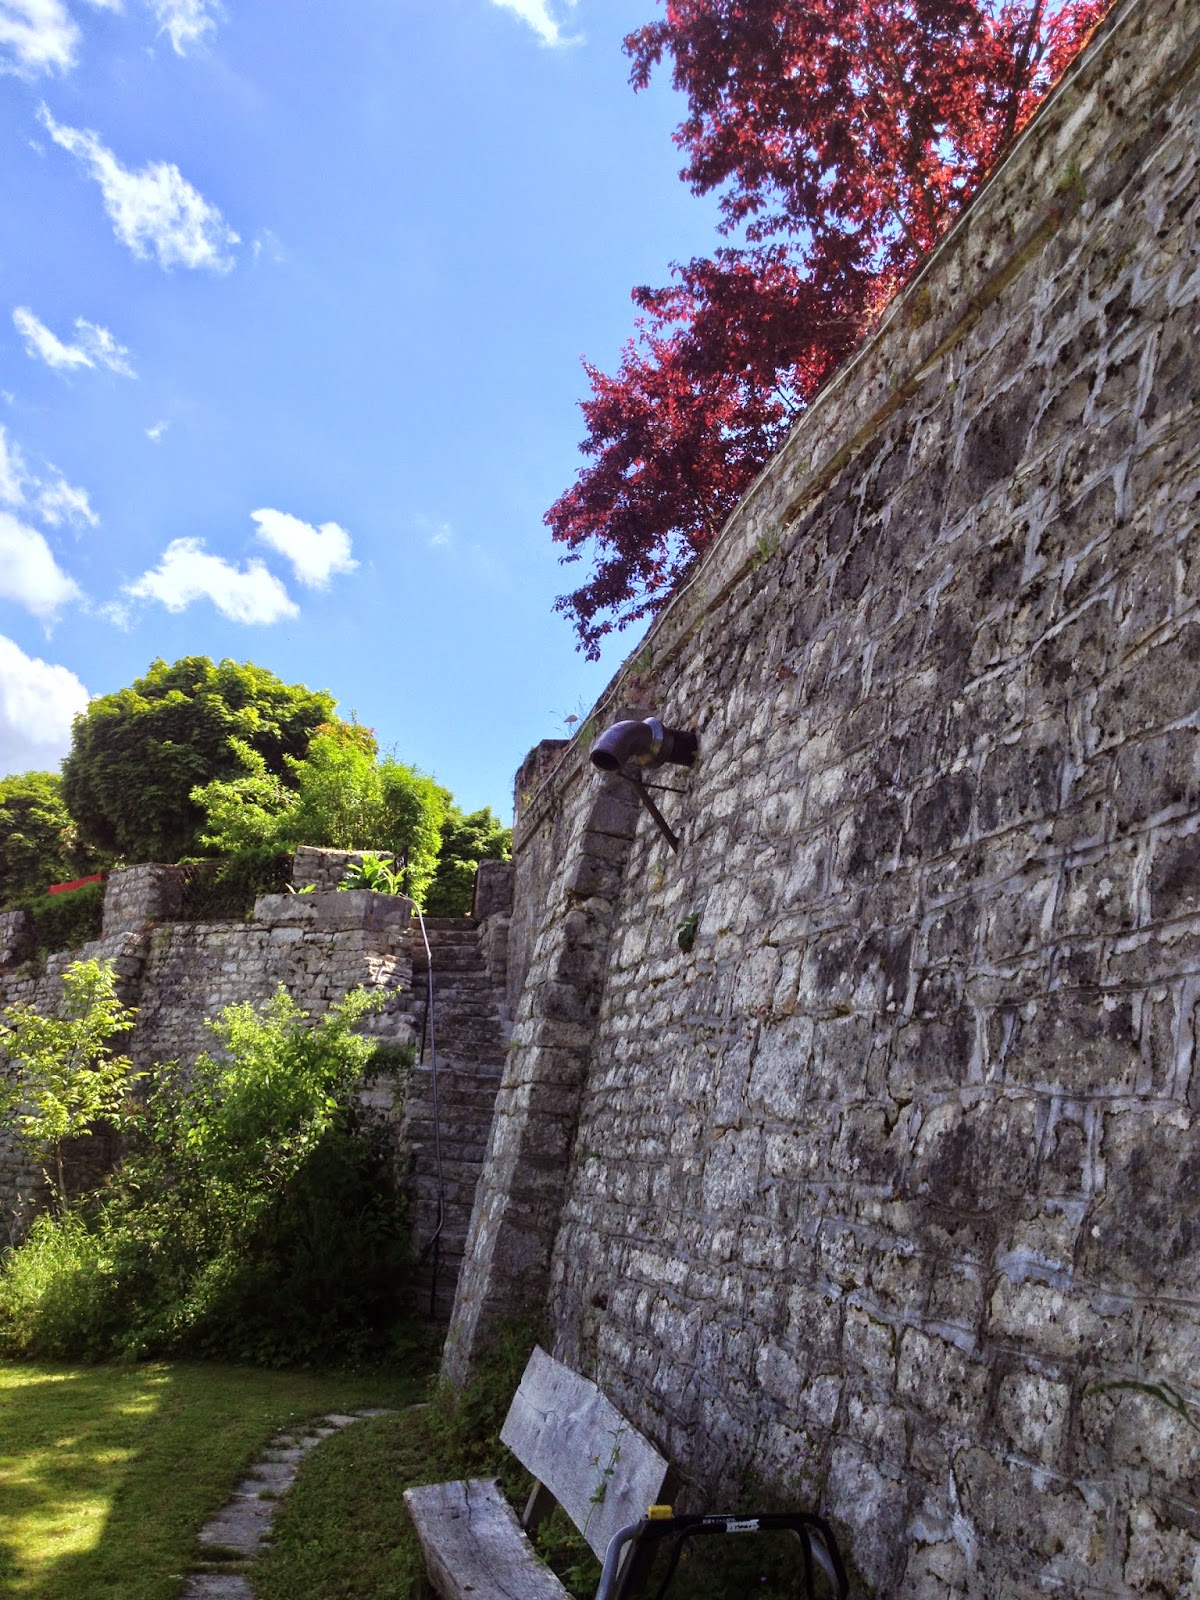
[(340, 795), (256, 1218), (67, 920), (59, 1294), (225, 890)]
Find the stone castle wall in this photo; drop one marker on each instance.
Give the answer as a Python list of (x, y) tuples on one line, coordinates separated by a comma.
[(318, 946), (177, 974), (889, 1188)]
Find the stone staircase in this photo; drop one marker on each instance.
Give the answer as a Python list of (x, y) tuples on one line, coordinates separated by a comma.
[(472, 1034)]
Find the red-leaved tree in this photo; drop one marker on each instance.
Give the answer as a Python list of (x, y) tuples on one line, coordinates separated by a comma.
[(844, 136)]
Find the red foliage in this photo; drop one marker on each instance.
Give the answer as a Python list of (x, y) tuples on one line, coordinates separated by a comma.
[(845, 136)]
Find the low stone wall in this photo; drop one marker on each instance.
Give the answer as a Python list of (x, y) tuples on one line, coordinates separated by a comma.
[(314, 868), (316, 946)]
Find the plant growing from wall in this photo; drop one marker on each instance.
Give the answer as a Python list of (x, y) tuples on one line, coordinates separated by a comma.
[(66, 1074), (375, 873)]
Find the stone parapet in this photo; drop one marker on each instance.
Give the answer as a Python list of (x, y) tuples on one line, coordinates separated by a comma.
[(314, 868), (138, 897)]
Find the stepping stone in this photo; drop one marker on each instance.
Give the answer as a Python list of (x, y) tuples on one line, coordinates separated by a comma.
[(242, 1526), (272, 1475), (217, 1586)]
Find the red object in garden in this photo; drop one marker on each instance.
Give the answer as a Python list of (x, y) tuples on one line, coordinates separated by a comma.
[(75, 883)]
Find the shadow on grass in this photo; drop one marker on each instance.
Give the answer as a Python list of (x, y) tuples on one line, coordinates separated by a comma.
[(107, 1474)]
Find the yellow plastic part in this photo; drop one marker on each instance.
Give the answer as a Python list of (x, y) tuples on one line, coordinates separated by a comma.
[(659, 1513)]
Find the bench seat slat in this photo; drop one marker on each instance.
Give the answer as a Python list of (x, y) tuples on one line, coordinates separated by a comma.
[(598, 1467), (473, 1544)]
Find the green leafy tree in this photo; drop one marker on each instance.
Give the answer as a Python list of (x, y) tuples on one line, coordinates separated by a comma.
[(467, 839), (65, 1074), (339, 793), (137, 755), (343, 798), (247, 812), (38, 843)]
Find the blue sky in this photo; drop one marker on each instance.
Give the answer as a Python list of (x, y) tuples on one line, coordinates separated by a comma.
[(292, 303)]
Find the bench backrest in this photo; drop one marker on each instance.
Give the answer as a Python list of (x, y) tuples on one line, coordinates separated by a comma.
[(595, 1463)]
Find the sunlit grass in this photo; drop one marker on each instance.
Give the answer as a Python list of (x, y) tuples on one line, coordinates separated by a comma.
[(106, 1474)]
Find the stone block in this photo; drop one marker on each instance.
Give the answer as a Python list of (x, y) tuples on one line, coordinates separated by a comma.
[(139, 896), (16, 928), (493, 894)]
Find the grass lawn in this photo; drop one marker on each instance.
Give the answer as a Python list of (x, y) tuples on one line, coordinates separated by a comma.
[(107, 1473)]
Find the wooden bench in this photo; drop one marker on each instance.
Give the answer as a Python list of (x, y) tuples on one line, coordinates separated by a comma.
[(608, 1479)]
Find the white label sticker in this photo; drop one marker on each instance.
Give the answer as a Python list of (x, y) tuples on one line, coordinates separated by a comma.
[(750, 1525)]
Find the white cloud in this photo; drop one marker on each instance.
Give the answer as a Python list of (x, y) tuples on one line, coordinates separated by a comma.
[(187, 572), (62, 501), (155, 211), (55, 499), (156, 430), (315, 553), (42, 345), (185, 22), (95, 346), (538, 15), (102, 347), (14, 474), (36, 36), (29, 573), (38, 701)]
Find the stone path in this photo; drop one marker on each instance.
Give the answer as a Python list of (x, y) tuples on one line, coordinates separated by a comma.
[(237, 1533)]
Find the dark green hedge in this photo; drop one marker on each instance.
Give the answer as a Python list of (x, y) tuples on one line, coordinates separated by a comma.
[(65, 921), (225, 890)]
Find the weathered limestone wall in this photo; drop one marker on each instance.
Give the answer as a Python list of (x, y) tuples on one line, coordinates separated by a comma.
[(890, 1188), (318, 946)]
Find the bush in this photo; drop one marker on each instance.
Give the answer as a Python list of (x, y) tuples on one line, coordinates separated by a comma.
[(59, 1295), (342, 797), (256, 1218), (225, 891), (65, 921)]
